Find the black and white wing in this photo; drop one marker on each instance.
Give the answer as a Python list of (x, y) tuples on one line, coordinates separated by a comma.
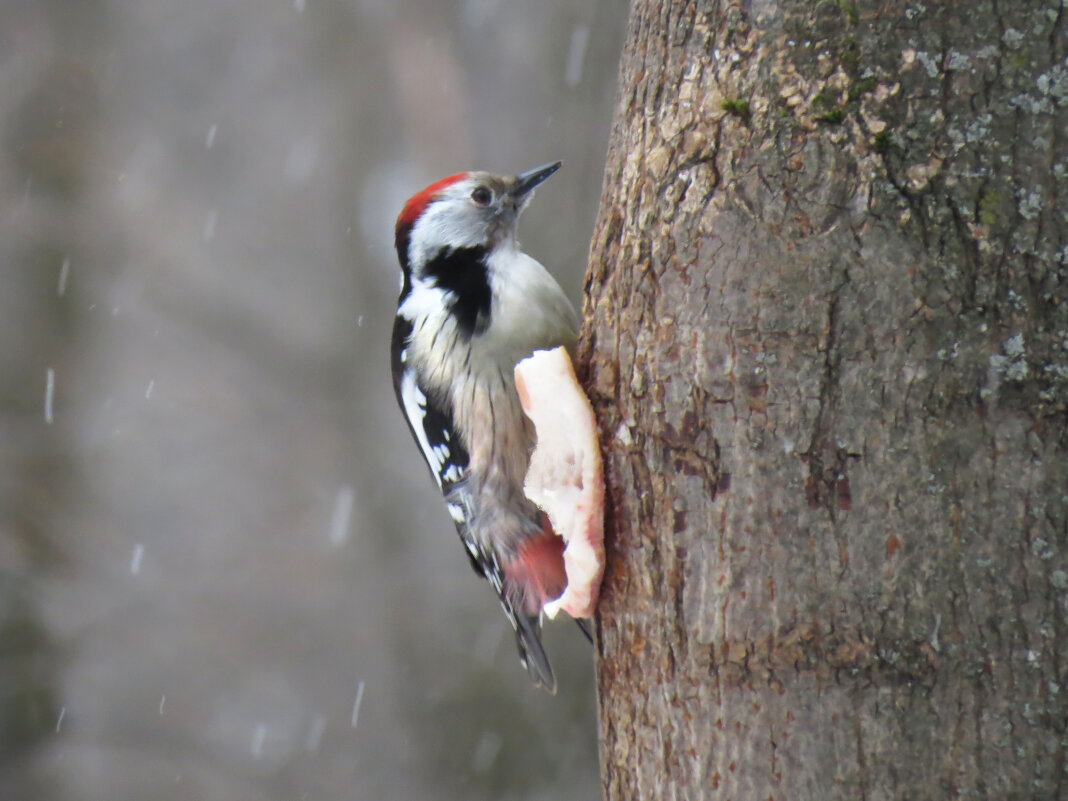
[(432, 427), (430, 422)]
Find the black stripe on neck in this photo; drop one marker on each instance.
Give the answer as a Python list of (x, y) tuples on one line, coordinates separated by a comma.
[(462, 271)]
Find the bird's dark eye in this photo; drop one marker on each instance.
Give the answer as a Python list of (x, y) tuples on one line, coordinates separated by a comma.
[(482, 195)]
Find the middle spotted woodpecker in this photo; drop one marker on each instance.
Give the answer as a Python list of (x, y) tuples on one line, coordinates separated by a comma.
[(472, 305)]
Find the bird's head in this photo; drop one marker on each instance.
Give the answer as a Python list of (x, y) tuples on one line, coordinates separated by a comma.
[(466, 210)]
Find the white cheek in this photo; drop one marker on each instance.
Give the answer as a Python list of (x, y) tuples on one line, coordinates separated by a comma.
[(452, 223)]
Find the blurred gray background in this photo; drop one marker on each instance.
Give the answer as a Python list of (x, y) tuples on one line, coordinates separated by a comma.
[(224, 570)]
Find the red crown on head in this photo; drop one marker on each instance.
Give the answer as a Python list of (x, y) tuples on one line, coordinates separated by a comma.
[(418, 202)]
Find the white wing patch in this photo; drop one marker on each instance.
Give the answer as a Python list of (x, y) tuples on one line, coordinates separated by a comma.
[(414, 401), (456, 512)]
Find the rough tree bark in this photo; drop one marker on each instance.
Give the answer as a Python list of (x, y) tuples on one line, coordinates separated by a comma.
[(827, 344)]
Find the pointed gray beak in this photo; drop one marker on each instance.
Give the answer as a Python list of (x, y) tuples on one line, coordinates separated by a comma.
[(526, 181)]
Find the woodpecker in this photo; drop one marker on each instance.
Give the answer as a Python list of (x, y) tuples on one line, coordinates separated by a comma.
[(472, 305)]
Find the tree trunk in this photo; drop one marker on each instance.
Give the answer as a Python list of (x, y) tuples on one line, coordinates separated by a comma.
[(827, 344)]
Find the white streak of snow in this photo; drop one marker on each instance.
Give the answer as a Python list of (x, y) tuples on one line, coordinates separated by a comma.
[(486, 750), (64, 271), (259, 736), (50, 388), (356, 704), (339, 523), (580, 36), (210, 220), (315, 733), (135, 559)]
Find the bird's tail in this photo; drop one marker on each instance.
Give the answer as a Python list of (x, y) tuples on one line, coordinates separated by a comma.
[(533, 575), (532, 653)]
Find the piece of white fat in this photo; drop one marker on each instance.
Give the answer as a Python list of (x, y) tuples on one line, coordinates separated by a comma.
[(565, 478)]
